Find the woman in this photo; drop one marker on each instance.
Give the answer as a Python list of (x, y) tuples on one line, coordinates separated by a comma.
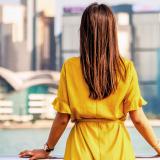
[(96, 91)]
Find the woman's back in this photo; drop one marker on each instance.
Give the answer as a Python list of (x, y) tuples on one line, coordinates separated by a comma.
[(99, 129), (112, 107)]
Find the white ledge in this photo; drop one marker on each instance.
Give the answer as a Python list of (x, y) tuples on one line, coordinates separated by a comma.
[(56, 158)]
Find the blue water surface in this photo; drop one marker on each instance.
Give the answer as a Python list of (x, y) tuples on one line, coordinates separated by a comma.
[(12, 141)]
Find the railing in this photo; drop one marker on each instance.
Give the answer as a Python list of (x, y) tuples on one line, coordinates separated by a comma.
[(16, 158), (55, 158), (147, 158)]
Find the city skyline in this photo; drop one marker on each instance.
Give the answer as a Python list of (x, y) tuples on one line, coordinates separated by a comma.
[(59, 5)]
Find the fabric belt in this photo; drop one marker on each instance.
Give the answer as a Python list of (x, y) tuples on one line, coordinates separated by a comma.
[(121, 120)]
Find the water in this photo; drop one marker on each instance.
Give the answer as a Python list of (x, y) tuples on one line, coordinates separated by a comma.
[(14, 141)]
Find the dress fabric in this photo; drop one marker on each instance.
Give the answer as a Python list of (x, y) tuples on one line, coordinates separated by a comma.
[(97, 140)]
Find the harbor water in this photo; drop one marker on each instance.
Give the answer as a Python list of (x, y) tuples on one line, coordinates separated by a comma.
[(12, 141)]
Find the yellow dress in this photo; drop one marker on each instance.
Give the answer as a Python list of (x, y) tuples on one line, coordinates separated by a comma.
[(97, 140)]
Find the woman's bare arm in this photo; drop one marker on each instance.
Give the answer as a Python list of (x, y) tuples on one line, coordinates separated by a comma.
[(142, 124), (57, 129)]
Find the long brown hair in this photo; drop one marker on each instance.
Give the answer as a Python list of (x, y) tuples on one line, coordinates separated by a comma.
[(99, 54)]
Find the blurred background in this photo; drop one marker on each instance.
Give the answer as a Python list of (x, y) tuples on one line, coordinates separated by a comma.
[(37, 36)]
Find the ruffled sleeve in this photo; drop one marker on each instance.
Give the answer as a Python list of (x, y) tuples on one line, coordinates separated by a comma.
[(133, 99), (61, 102)]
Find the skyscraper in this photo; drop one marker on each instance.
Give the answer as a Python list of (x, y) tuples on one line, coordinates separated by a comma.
[(40, 33)]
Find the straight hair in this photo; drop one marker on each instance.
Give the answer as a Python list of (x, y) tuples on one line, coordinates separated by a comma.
[(100, 59)]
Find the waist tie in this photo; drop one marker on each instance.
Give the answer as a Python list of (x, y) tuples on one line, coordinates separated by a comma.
[(121, 120)]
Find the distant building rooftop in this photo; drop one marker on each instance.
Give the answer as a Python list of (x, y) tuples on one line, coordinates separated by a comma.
[(27, 79)]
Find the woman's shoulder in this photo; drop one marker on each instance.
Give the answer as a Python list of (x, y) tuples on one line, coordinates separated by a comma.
[(72, 64), (72, 60), (127, 62), (130, 67)]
